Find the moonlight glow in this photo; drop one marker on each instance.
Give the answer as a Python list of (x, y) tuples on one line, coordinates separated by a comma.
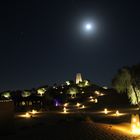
[(88, 26)]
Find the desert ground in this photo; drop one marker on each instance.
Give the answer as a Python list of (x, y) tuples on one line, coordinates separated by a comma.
[(92, 125)]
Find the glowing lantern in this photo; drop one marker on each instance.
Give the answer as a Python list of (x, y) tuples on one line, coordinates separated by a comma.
[(91, 100), (27, 115), (101, 94), (135, 124), (78, 104), (66, 104), (97, 92), (117, 113), (91, 97), (105, 111), (34, 111), (83, 106), (23, 103), (64, 110), (96, 101)]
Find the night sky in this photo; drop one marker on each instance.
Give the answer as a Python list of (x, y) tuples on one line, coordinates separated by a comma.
[(42, 42)]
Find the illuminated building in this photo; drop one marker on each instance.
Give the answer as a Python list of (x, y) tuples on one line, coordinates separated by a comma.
[(78, 78)]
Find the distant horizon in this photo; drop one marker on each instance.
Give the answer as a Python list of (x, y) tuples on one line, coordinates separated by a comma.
[(106, 83), (51, 84)]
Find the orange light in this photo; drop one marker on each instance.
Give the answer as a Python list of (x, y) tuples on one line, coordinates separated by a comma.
[(64, 110), (135, 124), (34, 111), (105, 111), (117, 113), (27, 115), (78, 104), (83, 106)]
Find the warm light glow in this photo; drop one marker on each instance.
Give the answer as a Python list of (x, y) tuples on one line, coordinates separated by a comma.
[(68, 83), (117, 113), (90, 97), (138, 123), (124, 128), (66, 104), (134, 120), (135, 124), (78, 78), (78, 104), (83, 106), (96, 101), (23, 103), (91, 100), (64, 110), (27, 115), (86, 83), (34, 111), (97, 92), (101, 94), (105, 111), (135, 129)]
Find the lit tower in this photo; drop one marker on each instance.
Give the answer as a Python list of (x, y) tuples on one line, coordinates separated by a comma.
[(78, 78)]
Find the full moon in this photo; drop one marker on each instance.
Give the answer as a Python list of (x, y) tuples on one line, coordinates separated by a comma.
[(88, 26)]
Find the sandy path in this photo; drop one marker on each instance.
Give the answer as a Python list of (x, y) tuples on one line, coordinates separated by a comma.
[(61, 130)]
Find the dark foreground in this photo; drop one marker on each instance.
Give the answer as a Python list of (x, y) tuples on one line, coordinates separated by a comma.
[(65, 127)]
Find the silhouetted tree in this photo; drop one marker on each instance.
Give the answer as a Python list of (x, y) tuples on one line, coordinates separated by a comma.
[(128, 80)]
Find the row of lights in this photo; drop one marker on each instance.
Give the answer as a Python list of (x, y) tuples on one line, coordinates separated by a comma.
[(29, 114), (117, 113), (77, 105), (93, 100), (135, 122)]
